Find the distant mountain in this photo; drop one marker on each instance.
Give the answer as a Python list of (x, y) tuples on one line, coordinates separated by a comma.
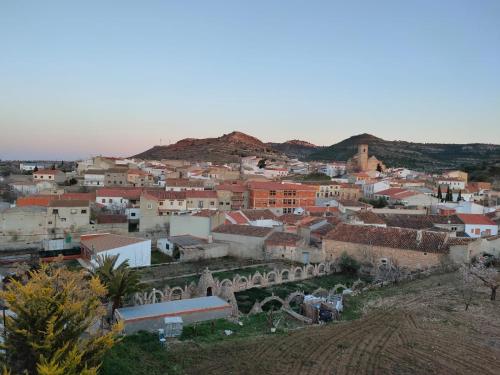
[(423, 156), (227, 148), (295, 148)]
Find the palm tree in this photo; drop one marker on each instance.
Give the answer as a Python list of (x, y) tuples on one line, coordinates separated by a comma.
[(120, 280)]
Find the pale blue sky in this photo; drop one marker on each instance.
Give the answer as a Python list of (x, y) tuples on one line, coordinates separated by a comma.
[(113, 77)]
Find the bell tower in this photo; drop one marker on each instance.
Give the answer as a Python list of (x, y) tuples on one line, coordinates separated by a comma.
[(363, 157)]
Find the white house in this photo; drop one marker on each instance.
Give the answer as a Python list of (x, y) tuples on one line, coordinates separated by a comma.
[(477, 225), (370, 188), (94, 177), (29, 167), (454, 184), (137, 251)]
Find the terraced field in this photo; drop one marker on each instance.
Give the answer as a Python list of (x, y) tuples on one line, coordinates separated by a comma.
[(420, 328)]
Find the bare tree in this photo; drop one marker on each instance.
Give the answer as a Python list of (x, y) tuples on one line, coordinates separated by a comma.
[(466, 285), (489, 276)]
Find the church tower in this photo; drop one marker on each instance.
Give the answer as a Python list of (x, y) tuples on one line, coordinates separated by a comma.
[(363, 157)]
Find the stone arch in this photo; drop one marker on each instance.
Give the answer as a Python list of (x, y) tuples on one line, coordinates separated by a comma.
[(271, 277), (292, 296), (310, 270), (272, 298), (257, 279), (285, 274), (242, 280), (156, 296), (226, 282), (298, 273), (176, 293), (321, 268)]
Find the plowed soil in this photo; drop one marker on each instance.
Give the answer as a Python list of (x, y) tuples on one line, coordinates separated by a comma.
[(418, 328)]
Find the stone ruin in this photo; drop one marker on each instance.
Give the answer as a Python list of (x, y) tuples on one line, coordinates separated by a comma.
[(225, 289)]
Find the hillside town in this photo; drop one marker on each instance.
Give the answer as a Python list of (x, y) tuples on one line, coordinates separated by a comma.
[(200, 235)]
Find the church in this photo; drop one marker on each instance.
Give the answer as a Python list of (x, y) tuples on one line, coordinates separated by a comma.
[(362, 163)]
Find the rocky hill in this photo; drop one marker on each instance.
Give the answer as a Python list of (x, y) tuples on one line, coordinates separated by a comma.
[(295, 148), (225, 149), (424, 156)]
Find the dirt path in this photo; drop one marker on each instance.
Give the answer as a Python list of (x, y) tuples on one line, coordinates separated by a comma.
[(413, 332)]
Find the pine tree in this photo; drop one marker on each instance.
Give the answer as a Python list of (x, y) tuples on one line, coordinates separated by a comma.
[(449, 196), (53, 309), (440, 194), (459, 198)]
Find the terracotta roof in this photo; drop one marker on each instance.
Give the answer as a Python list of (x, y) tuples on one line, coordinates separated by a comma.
[(243, 230), (368, 217), (323, 230), (282, 239), (138, 172), (183, 182), (290, 218), (35, 200), (201, 194), (48, 171), (418, 221), (397, 238), (236, 217), (68, 203), (257, 185), (206, 213), (264, 214), (162, 195), (475, 219), (397, 193), (320, 210), (352, 203), (103, 242), (128, 193)]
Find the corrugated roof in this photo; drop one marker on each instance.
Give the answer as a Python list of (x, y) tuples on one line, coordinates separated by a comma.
[(103, 242), (172, 308), (243, 230)]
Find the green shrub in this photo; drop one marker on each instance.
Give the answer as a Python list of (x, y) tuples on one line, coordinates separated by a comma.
[(348, 264)]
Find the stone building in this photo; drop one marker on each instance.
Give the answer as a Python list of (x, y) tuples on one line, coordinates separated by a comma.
[(410, 248), (361, 162)]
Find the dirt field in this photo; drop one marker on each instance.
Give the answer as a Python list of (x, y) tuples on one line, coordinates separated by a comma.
[(419, 328)]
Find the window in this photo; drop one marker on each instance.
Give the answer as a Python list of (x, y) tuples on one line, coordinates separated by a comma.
[(84, 211), (161, 203), (221, 203), (272, 192), (171, 203), (50, 177), (132, 214), (227, 203), (272, 202), (150, 206), (212, 203), (63, 219), (55, 211), (103, 200), (50, 222)]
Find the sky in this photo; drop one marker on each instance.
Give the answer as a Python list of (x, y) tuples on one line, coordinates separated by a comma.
[(116, 77)]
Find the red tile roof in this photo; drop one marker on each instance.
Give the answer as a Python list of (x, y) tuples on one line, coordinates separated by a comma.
[(397, 238), (397, 193), (243, 230), (257, 185), (35, 200), (128, 193), (475, 219), (48, 171), (201, 194), (263, 214), (237, 217), (163, 195), (206, 213), (283, 239), (68, 203)]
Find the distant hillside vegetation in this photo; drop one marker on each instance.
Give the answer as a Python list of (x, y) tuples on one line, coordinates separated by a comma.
[(421, 156)]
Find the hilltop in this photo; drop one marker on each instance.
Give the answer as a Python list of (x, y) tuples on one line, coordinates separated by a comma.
[(296, 148), (425, 156), (227, 148)]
